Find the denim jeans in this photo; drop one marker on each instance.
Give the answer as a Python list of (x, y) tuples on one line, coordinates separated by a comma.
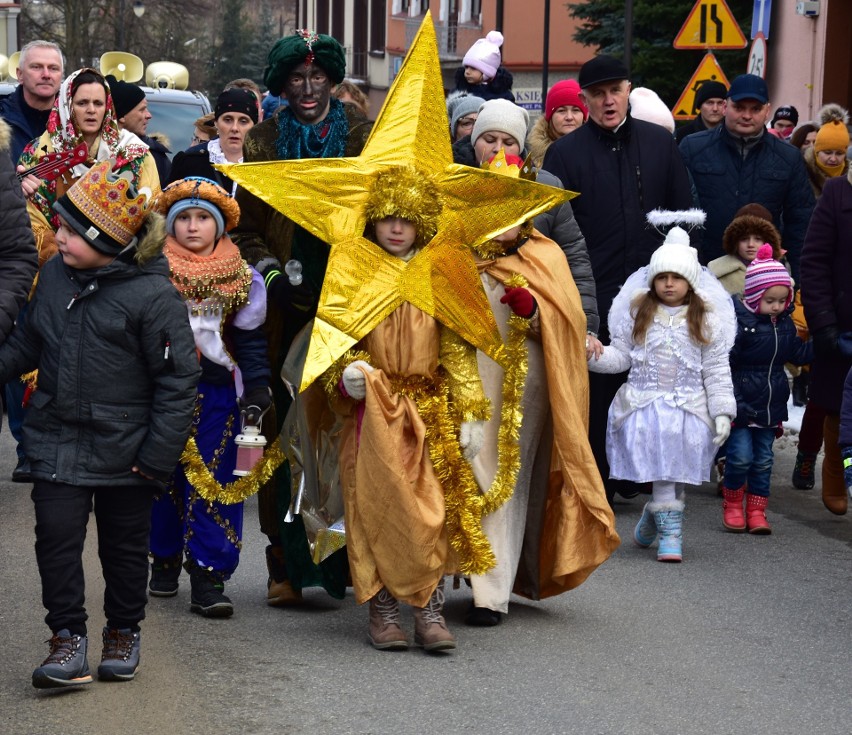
[(749, 459)]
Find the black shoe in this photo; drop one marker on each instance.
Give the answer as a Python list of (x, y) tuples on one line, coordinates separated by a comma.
[(22, 473), (66, 666), (164, 576), (800, 389), (482, 617), (208, 598), (804, 476), (120, 656)]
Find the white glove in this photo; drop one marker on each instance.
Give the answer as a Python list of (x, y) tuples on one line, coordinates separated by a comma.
[(354, 380), (471, 438), (723, 430)]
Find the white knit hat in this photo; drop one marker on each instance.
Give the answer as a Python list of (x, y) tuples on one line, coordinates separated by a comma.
[(485, 54), (504, 116), (645, 104), (676, 256)]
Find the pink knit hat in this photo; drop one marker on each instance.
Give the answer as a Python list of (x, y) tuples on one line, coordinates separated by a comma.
[(485, 54), (566, 92), (762, 273)]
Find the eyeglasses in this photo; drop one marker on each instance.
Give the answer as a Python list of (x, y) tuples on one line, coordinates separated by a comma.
[(466, 122), (196, 140)]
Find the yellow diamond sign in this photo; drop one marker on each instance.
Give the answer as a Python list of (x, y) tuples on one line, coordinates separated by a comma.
[(708, 71), (710, 24)]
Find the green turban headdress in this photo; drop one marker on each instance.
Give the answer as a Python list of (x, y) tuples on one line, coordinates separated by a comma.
[(303, 47)]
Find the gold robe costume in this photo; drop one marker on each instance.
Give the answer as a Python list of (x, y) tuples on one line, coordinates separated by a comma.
[(566, 524), (396, 530)]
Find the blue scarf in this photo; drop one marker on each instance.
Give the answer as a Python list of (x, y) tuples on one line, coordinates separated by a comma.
[(326, 139)]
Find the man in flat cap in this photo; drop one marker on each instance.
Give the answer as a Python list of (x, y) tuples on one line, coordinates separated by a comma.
[(304, 68), (623, 168)]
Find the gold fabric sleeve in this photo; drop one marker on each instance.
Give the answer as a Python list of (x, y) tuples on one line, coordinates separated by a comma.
[(466, 393)]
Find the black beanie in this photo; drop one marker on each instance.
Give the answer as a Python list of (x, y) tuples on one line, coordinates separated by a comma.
[(709, 91), (236, 100), (125, 96)]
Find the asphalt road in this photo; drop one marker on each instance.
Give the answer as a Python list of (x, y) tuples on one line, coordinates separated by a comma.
[(749, 635)]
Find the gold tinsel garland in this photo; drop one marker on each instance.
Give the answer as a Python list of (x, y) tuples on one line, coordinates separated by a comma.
[(462, 499), (511, 416), (208, 487)]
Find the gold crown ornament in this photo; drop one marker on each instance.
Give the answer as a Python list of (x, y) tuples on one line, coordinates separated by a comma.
[(510, 165), (105, 208)]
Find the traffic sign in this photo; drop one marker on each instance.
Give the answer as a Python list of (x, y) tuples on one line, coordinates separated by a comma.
[(708, 71), (710, 24), (760, 18), (757, 57)]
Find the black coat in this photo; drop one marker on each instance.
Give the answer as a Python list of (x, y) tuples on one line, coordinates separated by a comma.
[(827, 284), (117, 372), (26, 122), (195, 161), (498, 88), (621, 177), (18, 256), (772, 174), (762, 347), (693, 126)]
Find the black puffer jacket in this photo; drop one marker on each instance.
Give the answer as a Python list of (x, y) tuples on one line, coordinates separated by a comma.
[(621, 176), (18, 256), (560, 226), (498, 88), (117, 370), (762, 347)]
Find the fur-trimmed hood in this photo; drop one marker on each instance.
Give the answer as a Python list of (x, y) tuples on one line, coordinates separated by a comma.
[(5, 136), (816, 175), (747, 224), (539, 140), (152, 238)]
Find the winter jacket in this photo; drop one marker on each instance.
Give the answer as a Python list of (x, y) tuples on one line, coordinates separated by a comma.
[(18, 256), (26, 123), (498, 88), (539, 140), (693, 126), (117, 370), (826, 285), (160, 154), (195, 161), (845, 439), (772, 174), (762, 347), (560, 226), (621, 176)]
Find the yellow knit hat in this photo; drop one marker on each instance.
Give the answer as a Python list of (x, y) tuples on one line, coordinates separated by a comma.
[(832, 135)]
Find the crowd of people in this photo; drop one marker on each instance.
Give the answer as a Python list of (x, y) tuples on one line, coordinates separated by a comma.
[(651, 324)]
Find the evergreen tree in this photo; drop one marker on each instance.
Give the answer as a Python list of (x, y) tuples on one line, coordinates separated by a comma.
[(656, 23), (262, 40), (229, 57)]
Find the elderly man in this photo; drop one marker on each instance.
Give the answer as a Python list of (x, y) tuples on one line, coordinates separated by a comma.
[(131, 113), (304, 68), (710, 103), (40, 71), (623, 168), (740, 162)]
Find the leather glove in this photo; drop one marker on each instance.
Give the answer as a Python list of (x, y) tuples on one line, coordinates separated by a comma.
[(846, 452), (354, 381), (279, 289), (825, 341), (723, 430), (254, 403), (471, 438), (521, 301)]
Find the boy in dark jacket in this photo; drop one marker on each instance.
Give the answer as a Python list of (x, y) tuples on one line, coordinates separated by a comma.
[(117, 372), (766, 339)]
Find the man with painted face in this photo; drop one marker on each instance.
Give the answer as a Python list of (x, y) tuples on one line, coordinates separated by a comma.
[(304, 68)]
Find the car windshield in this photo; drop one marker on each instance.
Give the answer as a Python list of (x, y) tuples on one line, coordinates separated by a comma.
[(174, 119)]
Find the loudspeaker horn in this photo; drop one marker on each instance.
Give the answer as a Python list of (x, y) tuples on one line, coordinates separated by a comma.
[(13, 65), (123, 66), (167, 74)]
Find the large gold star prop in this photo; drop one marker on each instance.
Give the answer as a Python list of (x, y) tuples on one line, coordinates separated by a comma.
[(364, 284)]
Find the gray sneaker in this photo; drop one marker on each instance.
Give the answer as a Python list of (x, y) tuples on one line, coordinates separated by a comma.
[(66, 666), (120, 657)]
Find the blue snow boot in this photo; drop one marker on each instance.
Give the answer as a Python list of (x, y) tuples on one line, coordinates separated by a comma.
[(669, 519), (645, 532), (120, 656)]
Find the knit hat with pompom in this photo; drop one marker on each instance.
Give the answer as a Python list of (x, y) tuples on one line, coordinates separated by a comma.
[(676, 255), (762, 273), (485, 54)]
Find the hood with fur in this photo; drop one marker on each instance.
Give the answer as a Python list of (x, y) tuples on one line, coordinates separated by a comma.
[(748, 224)]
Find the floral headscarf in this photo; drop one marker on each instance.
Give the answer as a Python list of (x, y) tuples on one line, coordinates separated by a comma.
[(121, 146)]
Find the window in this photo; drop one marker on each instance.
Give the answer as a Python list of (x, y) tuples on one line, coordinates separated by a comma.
[(377, 41)]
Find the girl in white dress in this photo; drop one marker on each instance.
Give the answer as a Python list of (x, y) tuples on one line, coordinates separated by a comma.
[(672, 325)]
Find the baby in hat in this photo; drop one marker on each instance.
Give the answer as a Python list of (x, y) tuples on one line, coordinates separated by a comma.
[(482, 72)]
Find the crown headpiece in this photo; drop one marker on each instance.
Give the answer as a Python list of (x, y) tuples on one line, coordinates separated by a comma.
[(510, 165)]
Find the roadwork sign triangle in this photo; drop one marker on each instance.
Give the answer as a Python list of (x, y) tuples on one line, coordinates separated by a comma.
[(708, 71), (710, 24)]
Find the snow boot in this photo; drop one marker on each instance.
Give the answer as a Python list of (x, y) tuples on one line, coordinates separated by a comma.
[(733, 517), (756, 514), (645, 532), (668, 517)]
